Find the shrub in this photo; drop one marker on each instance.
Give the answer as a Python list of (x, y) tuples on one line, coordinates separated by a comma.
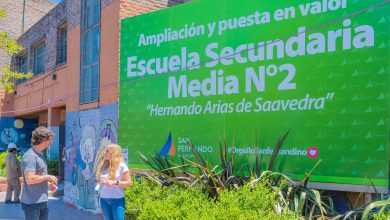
[(2, 164), (292, 197), (247, 203), (3, 156), (53, 167), (150, 200), (382, 216)]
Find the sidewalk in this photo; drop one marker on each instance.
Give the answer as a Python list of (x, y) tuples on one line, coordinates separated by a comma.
[(57, 210)]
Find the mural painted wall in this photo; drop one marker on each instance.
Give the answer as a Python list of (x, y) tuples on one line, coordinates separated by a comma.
[(87, 133), (18, 131)]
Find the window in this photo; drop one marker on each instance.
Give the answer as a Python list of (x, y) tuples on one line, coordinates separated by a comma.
[(89, 48), (22, 64), (39, 59), (22, 67), (62, 42)]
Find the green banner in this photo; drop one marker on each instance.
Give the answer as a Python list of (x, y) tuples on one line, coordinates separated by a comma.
[(252, 70)]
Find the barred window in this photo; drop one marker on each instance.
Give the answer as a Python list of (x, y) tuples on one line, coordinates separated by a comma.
[(39, 58), (22, 66), (89, 48), (62, 44)]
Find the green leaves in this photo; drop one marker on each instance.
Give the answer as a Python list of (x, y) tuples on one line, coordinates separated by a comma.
[(266, 194), (278, 145), (148, 200), (2, 13), (3, 170), (9, 44), (212, 179), (7, 76), (53, 167), (383, 207)]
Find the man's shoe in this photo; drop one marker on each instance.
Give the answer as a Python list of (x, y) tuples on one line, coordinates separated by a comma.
[(15, 202), (7, 202)]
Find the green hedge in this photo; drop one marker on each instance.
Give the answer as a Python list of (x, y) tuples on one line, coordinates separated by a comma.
[(382, 216), (2, 164), (149, 200), (53, 167), (3, 170)]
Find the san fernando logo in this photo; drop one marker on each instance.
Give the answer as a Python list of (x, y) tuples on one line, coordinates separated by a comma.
[(168, 150)]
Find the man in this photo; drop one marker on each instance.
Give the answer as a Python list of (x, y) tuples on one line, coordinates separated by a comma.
[(36, 180), (12, 167)]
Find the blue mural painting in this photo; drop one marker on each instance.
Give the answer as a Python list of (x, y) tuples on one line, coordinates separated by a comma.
[(17, 131), (87, 134)]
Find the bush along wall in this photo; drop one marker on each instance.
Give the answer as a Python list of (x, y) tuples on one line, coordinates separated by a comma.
[(147, 199), (197, 189)]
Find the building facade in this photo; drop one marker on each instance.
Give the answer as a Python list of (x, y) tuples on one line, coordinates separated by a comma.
[(19, 18), (73, 52)]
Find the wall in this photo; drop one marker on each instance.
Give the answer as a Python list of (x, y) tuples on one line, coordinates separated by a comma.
[(55, 116), (89, 127), (39, 93), (45, 29), (47, 89), (6, 103), (129, 8), (36, 96), (109, 54), (89, 130), (16, 130), (87, 133), (12, 24)]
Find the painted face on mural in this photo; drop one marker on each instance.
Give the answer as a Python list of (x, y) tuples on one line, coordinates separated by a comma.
[(104, 142), (87, 146), (9, 135), (87, 151)]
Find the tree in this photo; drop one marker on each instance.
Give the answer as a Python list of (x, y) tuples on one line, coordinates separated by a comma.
[(7, 76)]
